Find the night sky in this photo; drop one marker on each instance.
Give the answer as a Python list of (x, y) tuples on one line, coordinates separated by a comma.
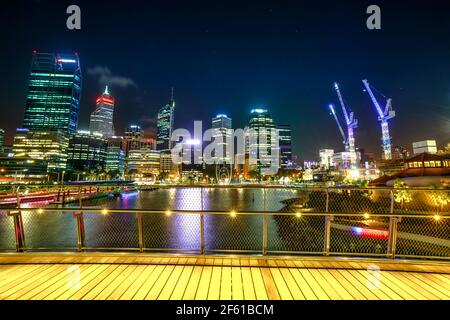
[(229, 56)]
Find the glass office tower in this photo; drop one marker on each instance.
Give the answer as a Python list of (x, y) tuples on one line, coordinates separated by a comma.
[(164, 125), (54, 92)]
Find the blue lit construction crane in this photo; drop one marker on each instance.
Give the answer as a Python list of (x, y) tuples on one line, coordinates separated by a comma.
[(351, 124), (339, 126), (383, 117)]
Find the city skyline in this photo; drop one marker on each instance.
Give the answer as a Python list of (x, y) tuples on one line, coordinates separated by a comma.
[(239, 77)]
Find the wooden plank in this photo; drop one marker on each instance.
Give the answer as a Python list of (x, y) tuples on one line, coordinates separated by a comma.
[(269, 283), (340, 289), (159, 283), (85, 270), (214, 286), (182, 283), (171, 283), (314, 285), (292, 284), (382, 287), (148, 283), (348, 276), (137, 284), (247, 284), (407, 289), (225, 284), (236, 284), (87, 283), (258, 282), (19, 272), (422, 290), (347, 285), (424, 285), (203, 286), (126, 283), (115, 283), (282, 288), (365, 283), (435, 282), (43, 283), (105, 282), (19, 284), (304, 287), (191, 288), (331, 292), (396, 286)]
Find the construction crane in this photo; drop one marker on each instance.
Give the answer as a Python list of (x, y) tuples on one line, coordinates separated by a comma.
[(351, 124), (339, 126), (383, 117)]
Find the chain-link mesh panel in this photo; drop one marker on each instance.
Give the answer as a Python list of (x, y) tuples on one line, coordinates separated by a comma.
[(408, 201), (359, 201), (49, 230), (7, 236), (174, 231), (111, 230), (423, 237), (358, 235), (295, 233), (233, 232)]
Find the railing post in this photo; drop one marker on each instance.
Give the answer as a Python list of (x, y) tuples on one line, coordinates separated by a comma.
[(393, 221), (264, 240), (80, 224), (202, 224), (328, 219), (18, 230), (140, 231)]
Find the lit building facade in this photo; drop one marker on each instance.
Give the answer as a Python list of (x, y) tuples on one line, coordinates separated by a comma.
[(143, 163), (165, 124), (263, 147), (326, 158), (2, 138), (115, 155), (50, 146), (86, 151), (222, 134), (285, 143), (102, 118), (428, 146), (54, 92)]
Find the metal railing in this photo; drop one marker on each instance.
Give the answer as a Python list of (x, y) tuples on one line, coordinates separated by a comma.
[(267, 221)]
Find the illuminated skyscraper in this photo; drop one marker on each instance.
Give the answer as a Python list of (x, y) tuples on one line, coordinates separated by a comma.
[(54, 92), (285, 142), (86, 151), (263, 147), (102, 117), (223, 134), (164, 125)]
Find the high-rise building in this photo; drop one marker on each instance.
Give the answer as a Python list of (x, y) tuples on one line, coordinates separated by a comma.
[(2, 138), (222, 134), (164, 124), (285, 142), (102, 117), (86, 151), (263, 146), (54, 92), (115, 155), (425, 146), (50, 146), (135, 139)]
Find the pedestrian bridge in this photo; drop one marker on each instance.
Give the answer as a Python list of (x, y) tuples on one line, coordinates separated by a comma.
[(139, 276)]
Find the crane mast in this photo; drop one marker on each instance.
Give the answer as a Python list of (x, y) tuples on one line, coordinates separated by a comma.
[(351, 124), (383, 117)]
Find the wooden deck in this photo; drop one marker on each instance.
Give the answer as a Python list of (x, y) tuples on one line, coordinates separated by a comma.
[(138, 277)]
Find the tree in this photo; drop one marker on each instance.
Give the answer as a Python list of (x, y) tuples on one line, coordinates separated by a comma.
[(401, 193)]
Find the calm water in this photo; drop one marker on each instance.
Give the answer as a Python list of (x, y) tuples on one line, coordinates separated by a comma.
[(182, 231)]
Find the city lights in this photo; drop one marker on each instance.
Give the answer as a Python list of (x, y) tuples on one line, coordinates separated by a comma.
[(104, 211)]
